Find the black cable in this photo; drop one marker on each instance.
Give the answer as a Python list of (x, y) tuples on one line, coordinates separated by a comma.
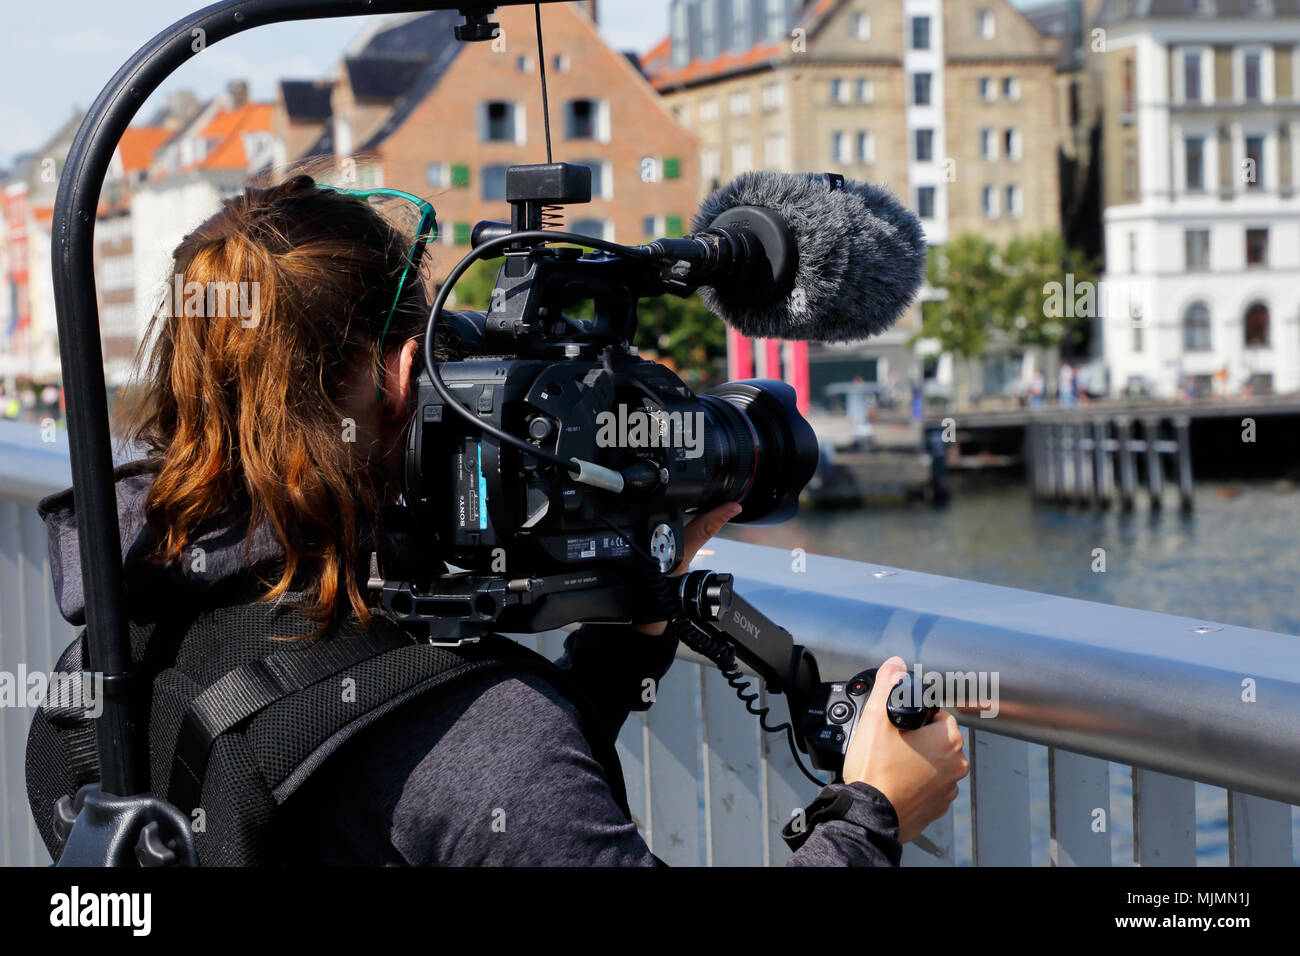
[(711, 646), (439, 302), (541, 64)]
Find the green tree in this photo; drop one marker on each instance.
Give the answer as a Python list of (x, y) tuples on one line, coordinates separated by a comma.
[(988, 294)]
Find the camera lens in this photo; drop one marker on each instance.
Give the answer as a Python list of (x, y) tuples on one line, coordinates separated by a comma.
[(761, 451)]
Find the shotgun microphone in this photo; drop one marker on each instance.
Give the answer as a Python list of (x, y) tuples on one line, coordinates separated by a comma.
[(804, 256)]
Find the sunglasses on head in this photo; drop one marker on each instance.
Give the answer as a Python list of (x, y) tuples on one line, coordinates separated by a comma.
[(425, 232)]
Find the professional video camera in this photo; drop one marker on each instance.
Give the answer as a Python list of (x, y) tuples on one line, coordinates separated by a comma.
[(552, 462)]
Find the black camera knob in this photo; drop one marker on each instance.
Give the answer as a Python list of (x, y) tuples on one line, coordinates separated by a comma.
[(840, 712), (906, 712)]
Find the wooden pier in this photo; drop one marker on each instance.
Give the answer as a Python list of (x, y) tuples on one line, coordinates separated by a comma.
[(1098, 460)]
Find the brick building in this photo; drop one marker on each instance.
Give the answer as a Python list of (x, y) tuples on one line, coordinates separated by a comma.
[(951, 104), (415, 109)]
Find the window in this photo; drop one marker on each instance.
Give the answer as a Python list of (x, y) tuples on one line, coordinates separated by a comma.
[(1196, 243), (865, 92), (924, 145), (921, 89), (460, 175), (988, 89), (1192, 76), (1129, 101), (1015, 202), (708, 20), (742, 29), (672, 168), (582, 119), (438, 174), (1253, 173), (925, 202), (989, 202), (1257, 326), (494, 182), (920, 33), (708, 109), (1133, 252), (840, 147), (742, 157), (774, 151), (499, 123), (859, 25), (1194, 151), (773, 96), (1252, 64), (710, 164), (1011, 89), (985, 25), (740, 103), (1256, 247), (775, 19), (1130, 170), (561, 62), (988, 145), (866, 147), (524, 64), (651, 226), (1196, 328), (840, 91), (460, 233), (600, 179), (1011, 143)]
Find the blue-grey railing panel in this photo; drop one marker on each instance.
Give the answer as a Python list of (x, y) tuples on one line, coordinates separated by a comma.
[(1259, 831), (733, 776), (999, 799), (1164, 819), (673, 753), (1080, 788)]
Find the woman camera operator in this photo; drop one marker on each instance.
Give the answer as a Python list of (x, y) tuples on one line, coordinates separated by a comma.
[(274, 442)]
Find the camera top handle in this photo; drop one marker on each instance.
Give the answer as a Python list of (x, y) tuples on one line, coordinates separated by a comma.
[(120, 755)]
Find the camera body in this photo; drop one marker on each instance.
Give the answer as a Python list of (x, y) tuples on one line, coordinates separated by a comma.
[(542, 545)]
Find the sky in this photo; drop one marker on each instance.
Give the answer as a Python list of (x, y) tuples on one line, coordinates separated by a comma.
[(55, 58)]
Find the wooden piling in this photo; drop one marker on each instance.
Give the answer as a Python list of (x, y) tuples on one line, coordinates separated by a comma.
[(1155, 467), (1101, 473), (1127, 466), (1182, 434)]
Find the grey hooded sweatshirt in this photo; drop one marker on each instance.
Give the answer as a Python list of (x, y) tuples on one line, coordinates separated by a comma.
[(493, 769)]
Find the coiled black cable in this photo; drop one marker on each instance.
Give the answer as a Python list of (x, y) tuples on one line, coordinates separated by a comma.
[(711, 646)]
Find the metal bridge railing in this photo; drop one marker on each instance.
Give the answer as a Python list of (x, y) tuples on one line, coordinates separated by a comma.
[(1106, 717)]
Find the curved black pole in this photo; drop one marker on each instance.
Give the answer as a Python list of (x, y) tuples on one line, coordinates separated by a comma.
[(78, 321)]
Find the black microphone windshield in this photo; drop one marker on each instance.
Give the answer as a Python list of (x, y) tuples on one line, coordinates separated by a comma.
[(861, 258)]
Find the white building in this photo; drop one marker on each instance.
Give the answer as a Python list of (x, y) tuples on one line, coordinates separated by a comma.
[(1202, 220)]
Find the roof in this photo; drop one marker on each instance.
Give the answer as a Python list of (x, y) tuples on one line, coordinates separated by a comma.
[(381, 77), (228, 129), (307, 100), (138, 145), (1116, 11), (441, 49)]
